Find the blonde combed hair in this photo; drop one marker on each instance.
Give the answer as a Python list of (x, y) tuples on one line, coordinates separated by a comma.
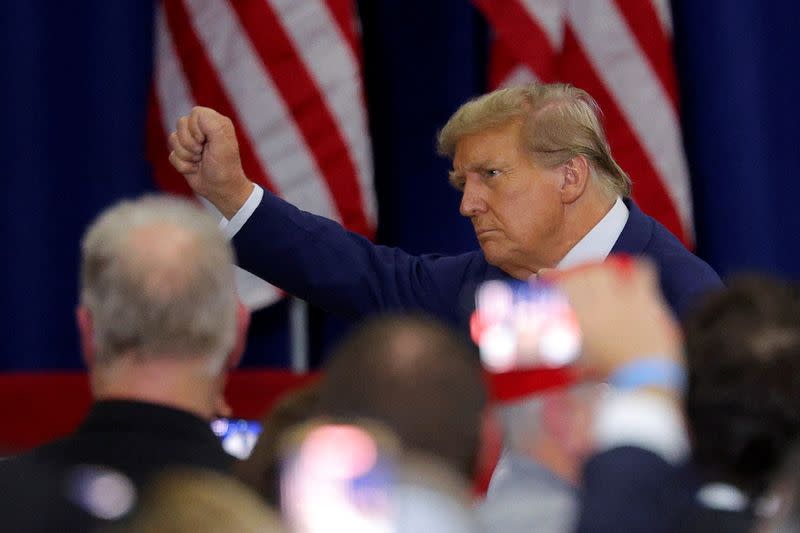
[(157, 278), (559, 122)]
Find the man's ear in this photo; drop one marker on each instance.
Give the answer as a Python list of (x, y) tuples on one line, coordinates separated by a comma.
[(575, 178), (86, 333), (242, 323)]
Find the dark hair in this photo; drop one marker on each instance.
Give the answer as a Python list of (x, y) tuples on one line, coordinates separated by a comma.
[(743, 403), (262, 469), (417, 377), (785, 492)]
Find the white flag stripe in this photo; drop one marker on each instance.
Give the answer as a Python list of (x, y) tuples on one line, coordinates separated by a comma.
[(664, 13), (170, 83), (550, 16), (330, 61), (172, 89), (519, 75), (254, 292), (638, 93), (276, 140)]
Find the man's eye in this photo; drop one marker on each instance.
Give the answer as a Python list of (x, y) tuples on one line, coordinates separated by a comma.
[(491, 172)]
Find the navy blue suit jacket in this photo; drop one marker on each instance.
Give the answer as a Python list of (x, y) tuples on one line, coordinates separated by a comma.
[(319, 261), (633, 490)]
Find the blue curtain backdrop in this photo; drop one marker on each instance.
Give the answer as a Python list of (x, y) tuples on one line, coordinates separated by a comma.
[(73, 98)]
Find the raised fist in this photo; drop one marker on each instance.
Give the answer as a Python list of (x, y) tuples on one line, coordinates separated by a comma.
[(205, 151)]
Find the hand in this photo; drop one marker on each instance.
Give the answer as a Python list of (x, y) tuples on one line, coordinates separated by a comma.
[(622, 314), (205, 151)]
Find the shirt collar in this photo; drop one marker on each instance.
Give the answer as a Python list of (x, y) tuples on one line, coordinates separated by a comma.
[(597, 244)]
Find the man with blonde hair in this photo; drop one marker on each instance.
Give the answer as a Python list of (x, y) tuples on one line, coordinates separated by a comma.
[(538, 183), (160, 326)]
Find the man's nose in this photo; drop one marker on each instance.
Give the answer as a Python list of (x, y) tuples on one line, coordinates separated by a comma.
[(472, 201)]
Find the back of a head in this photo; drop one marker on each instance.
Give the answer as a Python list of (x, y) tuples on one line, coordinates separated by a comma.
[(559, 122), (417, 377), (743, 406), (262, 469), (157, 278)]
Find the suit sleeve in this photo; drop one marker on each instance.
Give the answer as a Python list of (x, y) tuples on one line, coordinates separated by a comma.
[(317, 260), (634, 490)]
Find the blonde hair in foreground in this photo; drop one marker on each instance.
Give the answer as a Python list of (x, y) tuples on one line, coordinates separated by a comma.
[(559, 123), (157, 277), (199, 501)]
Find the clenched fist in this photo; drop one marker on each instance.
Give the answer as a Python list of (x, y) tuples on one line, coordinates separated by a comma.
[(205, 151)]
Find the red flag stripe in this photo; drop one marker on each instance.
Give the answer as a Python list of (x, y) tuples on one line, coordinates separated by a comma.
[(502, 65), (610, 46), (320, 44), (648, 188), (515, 26), (344, 15), (309, 110), (644, 24), (205, 85), (263, 116)]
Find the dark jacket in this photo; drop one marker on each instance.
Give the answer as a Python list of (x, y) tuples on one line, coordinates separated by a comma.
[(119, 446), (319, 261)]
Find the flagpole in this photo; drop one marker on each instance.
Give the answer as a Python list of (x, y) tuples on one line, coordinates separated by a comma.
[(298, 335)]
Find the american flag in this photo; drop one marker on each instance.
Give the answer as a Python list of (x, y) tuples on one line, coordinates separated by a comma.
[(288, 74), (619, 51)]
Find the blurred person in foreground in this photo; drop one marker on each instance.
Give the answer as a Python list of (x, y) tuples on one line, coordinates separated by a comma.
[(537, 181), (423, 382), (357, 476), (634, 479), (261, 470), (547, 439), (160, 326), (198, 501), (739, 415), (743, 401), (416, 376)]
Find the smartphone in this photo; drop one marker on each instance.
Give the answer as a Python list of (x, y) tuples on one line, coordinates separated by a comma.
[(238, 436), (519, 324)]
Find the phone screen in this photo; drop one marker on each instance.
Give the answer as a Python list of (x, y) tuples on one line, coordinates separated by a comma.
[(519, 324), (338, 478), (238, 436)]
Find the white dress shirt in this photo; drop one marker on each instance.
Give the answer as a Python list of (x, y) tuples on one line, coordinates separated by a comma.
[(597, 244), (232, 226)]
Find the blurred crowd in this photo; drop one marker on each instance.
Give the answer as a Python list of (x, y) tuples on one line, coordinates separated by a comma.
[(662, 426)]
